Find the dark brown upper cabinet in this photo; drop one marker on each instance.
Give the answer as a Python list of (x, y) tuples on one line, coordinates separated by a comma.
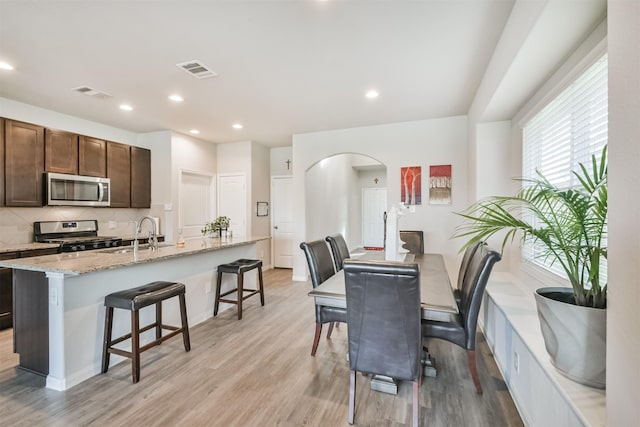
[(119, 171), (24, 163), (1, 162), (92, 160), (140, 177), (60, 151)]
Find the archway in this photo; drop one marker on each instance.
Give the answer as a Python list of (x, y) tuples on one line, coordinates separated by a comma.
[(334, 189)]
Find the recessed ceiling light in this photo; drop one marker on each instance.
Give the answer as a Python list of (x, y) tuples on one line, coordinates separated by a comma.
[(126, 107), (372, 94), (194, 131), (6, 66), (237, 126), (176, 98)]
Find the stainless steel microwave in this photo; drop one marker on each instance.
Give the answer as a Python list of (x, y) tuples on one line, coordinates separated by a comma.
[(76, 190)]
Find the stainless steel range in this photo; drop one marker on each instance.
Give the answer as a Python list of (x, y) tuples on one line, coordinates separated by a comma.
[(73, 236)]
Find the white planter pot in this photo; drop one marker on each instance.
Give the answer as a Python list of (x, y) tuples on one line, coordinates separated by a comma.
[(575, 336)]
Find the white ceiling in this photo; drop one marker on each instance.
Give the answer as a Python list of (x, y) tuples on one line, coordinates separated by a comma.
[(285, 67)]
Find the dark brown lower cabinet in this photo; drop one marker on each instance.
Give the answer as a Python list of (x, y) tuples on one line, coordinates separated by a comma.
[(6, 292), (6, 298), (31, 320)]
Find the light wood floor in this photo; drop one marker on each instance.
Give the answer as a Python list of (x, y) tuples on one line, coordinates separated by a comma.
[(255, 372)]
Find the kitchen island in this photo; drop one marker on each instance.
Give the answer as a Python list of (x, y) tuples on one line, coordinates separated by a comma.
[(59, 299)]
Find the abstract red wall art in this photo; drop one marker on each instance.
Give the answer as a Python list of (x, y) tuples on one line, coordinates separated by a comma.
[(410, 185), (440, 185)]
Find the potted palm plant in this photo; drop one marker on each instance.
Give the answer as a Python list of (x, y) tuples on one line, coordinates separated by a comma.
[(569, 226)]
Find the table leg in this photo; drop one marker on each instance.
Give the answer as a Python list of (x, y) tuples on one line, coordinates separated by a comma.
[(384, 384), (389, 385), (428, 364)]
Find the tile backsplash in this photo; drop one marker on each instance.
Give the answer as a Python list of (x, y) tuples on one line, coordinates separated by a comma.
[(16, 224)]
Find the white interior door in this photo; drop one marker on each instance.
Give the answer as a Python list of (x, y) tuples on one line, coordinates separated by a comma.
[(196, 202), (374, 204), (232, 202), (282, 217)]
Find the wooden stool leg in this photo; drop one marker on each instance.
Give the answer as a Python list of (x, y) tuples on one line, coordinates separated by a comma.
[(159, 320), (135, 345), (108, 324), (218, 288), (240, 293), (261, 285), (185, 324)]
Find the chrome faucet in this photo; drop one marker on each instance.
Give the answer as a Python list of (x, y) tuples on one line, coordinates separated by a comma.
[(153, 236)]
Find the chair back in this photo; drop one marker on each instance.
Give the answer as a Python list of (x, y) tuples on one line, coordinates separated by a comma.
[(318, 260), (414, 241), (473, 286), (466, 258), (338, 248), (383, 314)]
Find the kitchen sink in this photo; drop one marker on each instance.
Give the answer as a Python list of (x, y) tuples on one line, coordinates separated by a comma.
[(129, 249)]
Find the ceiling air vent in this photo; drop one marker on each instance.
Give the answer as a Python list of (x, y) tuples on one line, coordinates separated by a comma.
[(94, 93), (197, 69)]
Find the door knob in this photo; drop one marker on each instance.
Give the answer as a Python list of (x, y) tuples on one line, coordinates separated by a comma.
[(275, 227)]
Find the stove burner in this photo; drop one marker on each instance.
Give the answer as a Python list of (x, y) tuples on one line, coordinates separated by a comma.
[(86, 243), (73, 236)]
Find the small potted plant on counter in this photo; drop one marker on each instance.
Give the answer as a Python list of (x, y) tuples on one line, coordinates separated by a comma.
[(217, 228), (569, 227)]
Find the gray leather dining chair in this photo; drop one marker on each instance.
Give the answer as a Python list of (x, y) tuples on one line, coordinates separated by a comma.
[(320, 269), (413, 241), (460, 328), (464, 266), (383, 314), (339, 249)]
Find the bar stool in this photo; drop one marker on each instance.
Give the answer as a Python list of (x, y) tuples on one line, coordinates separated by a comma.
[(133, 300), (239, 267)]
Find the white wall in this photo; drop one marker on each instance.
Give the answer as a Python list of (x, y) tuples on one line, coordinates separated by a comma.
[(187, 154), (494, 172), (623, 316), (424, 143), (252, 160), (366, 178), (260, 192), (161, 184), (278, 161), (329, 189)]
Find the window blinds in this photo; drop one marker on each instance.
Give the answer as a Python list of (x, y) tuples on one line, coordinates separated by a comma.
[(565, 133)]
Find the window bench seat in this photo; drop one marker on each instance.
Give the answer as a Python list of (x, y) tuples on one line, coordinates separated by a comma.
[(542, 395)]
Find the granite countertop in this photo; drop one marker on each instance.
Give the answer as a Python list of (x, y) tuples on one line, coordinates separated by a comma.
[(19, 247), (76, 263)]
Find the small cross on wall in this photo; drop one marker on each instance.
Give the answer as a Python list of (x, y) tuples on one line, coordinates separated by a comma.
[(288, 162)]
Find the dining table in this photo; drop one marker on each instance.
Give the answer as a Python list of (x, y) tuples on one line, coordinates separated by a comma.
[(436, 299)]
